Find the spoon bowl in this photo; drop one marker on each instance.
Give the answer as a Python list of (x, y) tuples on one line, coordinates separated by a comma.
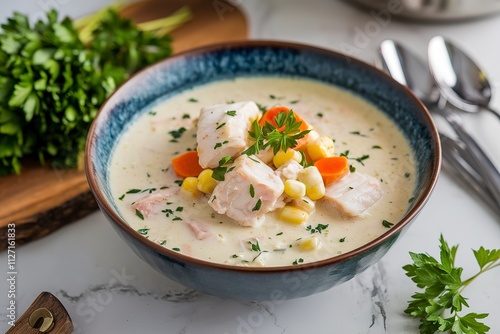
[(408, 69), (459, 78)]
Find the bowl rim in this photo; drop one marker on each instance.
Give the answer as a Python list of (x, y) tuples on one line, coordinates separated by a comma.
[(105, 205)]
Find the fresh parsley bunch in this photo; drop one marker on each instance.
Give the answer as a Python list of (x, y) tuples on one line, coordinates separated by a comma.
[(52, 84), (442, 286)]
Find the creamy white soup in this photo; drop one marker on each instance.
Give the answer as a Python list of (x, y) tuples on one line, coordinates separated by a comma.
[(148, 195)]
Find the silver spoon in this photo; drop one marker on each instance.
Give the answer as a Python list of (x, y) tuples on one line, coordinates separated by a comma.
[(409, 70), (460, 170), (458, 77)]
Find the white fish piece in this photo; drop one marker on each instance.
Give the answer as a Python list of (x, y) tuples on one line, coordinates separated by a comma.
[(353, 194), (147, 205), (289, 170), (200, 230), (233, 196), (223, 131)]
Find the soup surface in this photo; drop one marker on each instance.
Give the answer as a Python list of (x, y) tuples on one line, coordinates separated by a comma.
[(141, 167)]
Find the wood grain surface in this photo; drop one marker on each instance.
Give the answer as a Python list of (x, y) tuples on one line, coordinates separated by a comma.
[(42, 199), (61, 320)]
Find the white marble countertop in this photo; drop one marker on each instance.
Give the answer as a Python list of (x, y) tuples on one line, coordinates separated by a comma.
[(107, 289)]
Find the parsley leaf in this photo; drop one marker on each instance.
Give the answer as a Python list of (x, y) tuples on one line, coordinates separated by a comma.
[(280, 137)]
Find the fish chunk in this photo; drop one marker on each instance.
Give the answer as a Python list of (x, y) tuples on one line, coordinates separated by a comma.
[(200, 230), (353, 194), (147, 205), (233, 196), (223, 131), (289, 170)]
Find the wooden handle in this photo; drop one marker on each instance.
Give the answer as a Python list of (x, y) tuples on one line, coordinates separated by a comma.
[(45, 315)]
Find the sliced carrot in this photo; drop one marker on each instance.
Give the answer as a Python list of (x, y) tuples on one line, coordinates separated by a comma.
[(332, 168), (187, 164), (273, 112)]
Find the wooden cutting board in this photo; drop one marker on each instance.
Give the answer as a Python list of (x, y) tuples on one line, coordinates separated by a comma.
[(42, 199)]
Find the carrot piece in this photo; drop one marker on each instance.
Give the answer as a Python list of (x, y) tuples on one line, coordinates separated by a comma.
[(273, 112), (187, 164), (332, 168)]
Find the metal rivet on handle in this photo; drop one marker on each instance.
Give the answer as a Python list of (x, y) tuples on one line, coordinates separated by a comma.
[(41, 319)]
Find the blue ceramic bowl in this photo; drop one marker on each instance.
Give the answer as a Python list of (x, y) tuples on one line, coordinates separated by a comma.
[(259, 58)]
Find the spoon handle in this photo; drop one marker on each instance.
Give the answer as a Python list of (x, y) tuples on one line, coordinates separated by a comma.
[(493, 111), (456, 164), (484, 165)]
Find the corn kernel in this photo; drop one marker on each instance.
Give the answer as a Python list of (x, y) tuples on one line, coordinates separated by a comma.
[(304, 203), (206, 183), (293, 215), (190, 184), (309, 244), (316, 191), (322, 147), (283, 157), (315, 188), (295, 189)]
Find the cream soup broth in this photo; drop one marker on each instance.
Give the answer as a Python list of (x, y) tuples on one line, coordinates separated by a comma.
[(140, 166)]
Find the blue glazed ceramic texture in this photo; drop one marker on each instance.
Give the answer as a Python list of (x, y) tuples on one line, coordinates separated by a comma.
[(173, 76)]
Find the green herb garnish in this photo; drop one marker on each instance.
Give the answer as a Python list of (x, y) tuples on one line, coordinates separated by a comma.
[(257, 205), (53, 81), (318, 229), (442, 283), (387, 223), (139, 214), (143, 231), (280, 137)]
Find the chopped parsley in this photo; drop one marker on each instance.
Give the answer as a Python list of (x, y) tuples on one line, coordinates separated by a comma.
[(179, 209), (220, 126), (176, 134), (176, 249), (279, 233), (152, 113), (139, 214), (252, 191), (186, 116), (318, 229), (407, 175), (192, 100), (262, 108), (176, 218), (178, 182), (296, 262), (163, 242), (231, 112), (257, 205), (121, 197), (294, 101), (377, 147), (133, 191), (319, 114), (143, 231), (217, 145), (255, 246), (387, 223), (342, 239), (234, 256), (219, 173), (357, 133)]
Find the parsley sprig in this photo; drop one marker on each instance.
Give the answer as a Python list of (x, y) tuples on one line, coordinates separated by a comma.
[(443, 286), (280, 137), (52, 82)]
